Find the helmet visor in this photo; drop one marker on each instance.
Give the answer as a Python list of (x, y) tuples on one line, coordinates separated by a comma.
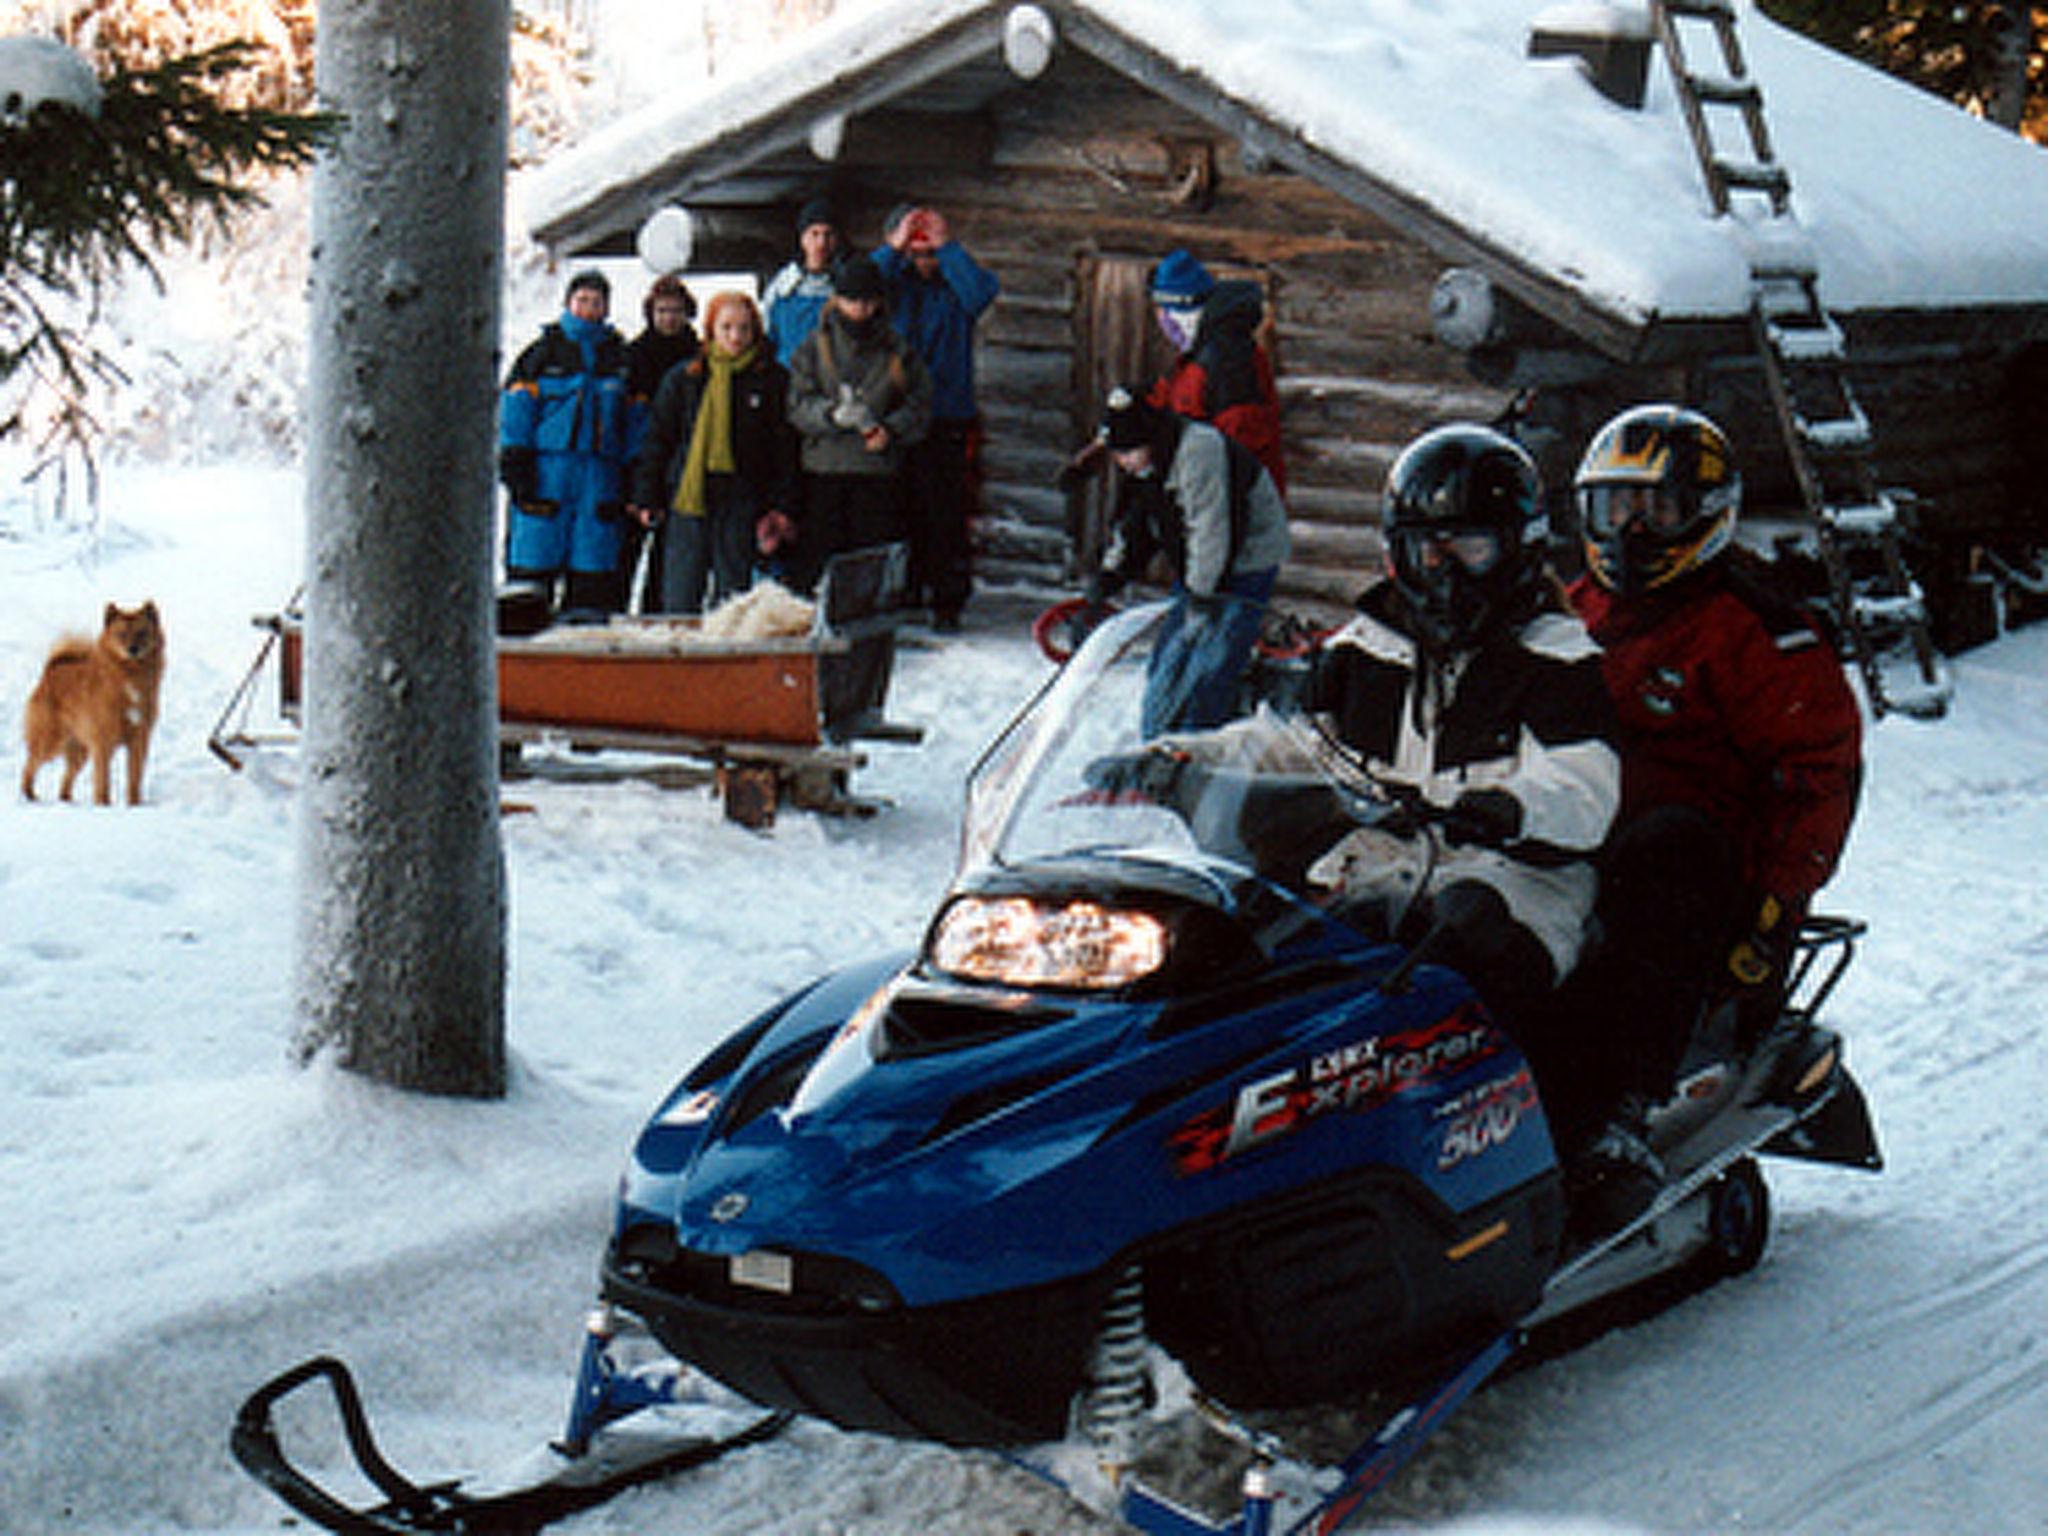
[(1611, 507), (1421, 553)]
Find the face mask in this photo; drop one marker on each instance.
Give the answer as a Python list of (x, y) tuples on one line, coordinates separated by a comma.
[(1180, 325)]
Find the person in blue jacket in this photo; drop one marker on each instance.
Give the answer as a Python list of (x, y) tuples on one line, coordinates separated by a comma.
[(937, 292), (563, 442), (798, 294)]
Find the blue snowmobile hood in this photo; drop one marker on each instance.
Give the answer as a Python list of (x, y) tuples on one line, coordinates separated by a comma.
[(1046, 1132)]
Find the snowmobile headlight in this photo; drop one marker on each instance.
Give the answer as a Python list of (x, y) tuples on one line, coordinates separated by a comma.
[(1020, 941)]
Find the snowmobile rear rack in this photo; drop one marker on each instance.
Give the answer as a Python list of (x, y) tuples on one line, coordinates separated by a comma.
[(577, 1474)]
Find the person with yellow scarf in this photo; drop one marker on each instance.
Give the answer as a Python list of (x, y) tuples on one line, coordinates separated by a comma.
[(720, 457)]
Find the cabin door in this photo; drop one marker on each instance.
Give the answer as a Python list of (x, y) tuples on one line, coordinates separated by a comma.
[(1116, 341)]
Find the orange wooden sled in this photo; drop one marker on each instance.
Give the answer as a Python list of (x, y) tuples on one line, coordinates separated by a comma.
[(774, 718)]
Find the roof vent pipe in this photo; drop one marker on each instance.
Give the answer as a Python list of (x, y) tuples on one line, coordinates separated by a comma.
[(1611, 43)]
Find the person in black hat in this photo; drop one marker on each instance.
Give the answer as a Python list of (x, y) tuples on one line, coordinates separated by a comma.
[(859, 397), (563, 445), (796, 295), (667, 339), (1207, 504)]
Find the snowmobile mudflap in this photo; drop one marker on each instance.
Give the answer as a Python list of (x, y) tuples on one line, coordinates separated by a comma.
[(564, 1484)]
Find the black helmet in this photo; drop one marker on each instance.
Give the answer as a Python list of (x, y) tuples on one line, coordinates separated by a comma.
[(1658, 496), (1465, 532)]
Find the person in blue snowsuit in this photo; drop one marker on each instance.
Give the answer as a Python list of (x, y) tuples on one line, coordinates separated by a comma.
[(937, 292), (563, 441)]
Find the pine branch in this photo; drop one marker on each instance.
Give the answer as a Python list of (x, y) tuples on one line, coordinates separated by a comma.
[(82, 196), (79, 195)]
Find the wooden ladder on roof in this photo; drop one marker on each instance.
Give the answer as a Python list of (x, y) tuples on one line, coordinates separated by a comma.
[(1877, 606)]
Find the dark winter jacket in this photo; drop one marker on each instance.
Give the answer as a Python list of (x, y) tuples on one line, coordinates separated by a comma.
[(937, 318), (1227, 379), (763, 443), (884, 374), (1731, 702), (649, 356)]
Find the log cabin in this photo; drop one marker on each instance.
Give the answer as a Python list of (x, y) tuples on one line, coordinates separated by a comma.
[(1489, 210)]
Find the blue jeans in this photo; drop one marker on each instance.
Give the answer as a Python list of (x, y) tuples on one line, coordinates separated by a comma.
[(1200, 656)]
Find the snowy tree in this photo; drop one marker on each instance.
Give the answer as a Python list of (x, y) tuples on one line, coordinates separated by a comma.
[(96, 175), (401, 941)]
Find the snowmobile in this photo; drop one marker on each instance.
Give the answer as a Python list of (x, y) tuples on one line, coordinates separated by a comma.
[(1144, 1125)]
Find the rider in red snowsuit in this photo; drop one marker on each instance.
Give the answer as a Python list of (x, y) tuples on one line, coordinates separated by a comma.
[(1741, 743)]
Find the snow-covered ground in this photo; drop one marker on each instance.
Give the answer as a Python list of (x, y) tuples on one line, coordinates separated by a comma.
[(187, 1213)]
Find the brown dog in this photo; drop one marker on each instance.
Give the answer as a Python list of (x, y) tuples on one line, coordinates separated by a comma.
[(95, 696)]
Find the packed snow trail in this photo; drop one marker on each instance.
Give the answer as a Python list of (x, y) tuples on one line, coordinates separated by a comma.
[(190, 1215)]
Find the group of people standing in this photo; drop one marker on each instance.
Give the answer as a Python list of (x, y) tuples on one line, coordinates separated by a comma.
[(841, 417)]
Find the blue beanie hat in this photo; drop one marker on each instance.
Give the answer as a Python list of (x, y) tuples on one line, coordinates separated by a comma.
[(1180, 281)]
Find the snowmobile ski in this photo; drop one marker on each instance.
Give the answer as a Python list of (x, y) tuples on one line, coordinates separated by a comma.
[(592, 1463)]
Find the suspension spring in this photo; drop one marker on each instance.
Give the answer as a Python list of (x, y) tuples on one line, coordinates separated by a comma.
[(1119, 1387)]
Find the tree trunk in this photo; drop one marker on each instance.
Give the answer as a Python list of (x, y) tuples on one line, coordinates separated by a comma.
[(2010, 24), (401, 943)]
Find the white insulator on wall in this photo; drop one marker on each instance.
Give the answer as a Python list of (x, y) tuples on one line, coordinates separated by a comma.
[(1028, 38), (1462, 309), (828, 134), (666, 239)]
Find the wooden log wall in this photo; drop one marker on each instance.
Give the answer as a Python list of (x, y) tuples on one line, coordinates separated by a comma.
[(1083, 165), (1047, 182)]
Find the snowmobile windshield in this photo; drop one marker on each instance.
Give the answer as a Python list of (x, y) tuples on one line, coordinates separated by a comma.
[(1073, 773)]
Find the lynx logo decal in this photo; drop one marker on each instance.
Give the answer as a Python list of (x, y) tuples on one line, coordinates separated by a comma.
[(1351, 1078)]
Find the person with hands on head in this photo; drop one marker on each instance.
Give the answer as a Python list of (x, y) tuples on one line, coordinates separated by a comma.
[(1209, 507), (1741, 742), (937, 293)]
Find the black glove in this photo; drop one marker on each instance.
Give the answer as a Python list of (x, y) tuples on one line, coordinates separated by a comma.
[(1484, 818), (1097, 590), (1403, 812), (519, 473), (1206, 605), (1758, 956), (1152, 774)]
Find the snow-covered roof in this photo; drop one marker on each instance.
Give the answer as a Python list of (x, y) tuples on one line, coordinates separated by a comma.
[(1909, 202)]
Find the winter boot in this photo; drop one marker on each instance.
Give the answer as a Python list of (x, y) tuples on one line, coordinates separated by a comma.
[(1614, 1179)]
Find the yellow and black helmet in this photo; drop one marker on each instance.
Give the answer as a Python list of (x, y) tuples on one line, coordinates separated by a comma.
[(1658, 495)]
